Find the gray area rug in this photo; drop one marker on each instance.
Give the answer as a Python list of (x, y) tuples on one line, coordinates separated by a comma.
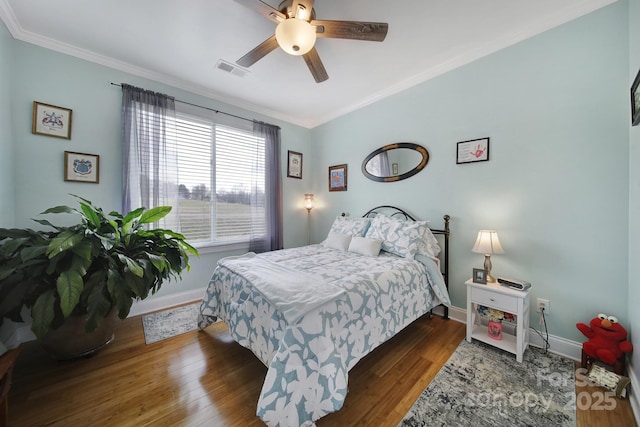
[(483, 386), (169, 323)]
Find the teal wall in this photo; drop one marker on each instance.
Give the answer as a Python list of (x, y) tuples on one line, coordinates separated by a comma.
[(43, 75), (6, 143), (634, 194), (557, 185)]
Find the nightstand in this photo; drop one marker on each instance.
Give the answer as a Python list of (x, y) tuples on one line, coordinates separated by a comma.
[(501, 298)]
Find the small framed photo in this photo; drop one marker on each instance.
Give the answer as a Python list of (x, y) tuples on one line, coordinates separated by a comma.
[(475, 150), (394, 169), (635, 101), (81, 167), (480, 276), (294, 164), (51, 120), (338, 178)]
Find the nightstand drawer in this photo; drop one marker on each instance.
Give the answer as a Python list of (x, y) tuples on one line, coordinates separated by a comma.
[(493, 299)]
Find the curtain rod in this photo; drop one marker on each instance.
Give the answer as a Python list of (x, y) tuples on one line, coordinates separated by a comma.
[(206, 108)]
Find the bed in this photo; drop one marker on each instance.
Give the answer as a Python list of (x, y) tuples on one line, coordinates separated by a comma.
[(311, 313)]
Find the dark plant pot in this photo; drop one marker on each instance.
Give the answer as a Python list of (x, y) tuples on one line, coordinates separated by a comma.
[(70, 341)]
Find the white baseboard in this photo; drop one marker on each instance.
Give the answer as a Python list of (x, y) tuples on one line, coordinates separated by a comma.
[(634, 399), (22, 331), (160, 303)]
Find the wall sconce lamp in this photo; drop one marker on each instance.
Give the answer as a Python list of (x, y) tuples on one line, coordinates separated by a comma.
[(308, 204), (487, 243)]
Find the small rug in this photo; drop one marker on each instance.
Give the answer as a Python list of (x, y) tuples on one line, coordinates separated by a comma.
[(481, 385), (169, 323)]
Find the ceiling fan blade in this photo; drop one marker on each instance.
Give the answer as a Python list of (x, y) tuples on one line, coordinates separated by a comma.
[(315, 65), (370, 31), (258, 52), (302, 5), (263, 9)]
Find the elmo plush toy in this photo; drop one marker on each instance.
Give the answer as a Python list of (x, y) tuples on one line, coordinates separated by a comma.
[(607, 339)]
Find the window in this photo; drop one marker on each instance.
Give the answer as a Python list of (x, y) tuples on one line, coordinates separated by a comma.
[(221, 178)]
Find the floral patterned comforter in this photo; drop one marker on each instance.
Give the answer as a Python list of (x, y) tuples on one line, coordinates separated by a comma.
[(308, 361)]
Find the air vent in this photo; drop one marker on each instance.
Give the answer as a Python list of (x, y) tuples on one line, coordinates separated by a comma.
[(231, 68)]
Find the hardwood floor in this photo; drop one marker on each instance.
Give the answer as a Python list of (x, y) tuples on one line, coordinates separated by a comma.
[(205, 378)]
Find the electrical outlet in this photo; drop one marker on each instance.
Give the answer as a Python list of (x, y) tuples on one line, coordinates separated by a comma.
[(542, 303)]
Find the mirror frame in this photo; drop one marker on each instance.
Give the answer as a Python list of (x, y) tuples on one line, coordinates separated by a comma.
[(410, 145)]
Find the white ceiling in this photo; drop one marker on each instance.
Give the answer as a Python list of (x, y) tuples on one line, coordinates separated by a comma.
[(179, 43)]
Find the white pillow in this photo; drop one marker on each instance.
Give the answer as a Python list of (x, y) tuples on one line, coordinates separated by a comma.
[(338, 241), (352, 226), (429, 246), (399, 237), (364, 246)]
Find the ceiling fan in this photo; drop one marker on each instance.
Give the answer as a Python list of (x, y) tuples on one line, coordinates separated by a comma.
[(298, 29)]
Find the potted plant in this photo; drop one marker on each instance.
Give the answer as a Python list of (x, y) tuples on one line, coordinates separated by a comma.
[(81, 277)]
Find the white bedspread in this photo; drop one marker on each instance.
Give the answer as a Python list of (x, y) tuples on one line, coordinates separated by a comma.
[(293, 293), (308, 361)]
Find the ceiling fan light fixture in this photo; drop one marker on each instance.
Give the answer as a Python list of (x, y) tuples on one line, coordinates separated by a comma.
[(296, 36)]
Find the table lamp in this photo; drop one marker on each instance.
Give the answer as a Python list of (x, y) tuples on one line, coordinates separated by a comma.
[(487, 243)]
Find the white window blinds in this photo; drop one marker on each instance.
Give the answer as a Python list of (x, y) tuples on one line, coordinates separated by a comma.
[(221, 169)]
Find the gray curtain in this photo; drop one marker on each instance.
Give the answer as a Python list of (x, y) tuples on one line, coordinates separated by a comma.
[(271, 201), (150, 168)]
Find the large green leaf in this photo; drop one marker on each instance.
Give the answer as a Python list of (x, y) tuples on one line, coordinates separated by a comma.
[(98, 307), (158, 262), (45, 222), (15, 233), (64, 241), (119, 295), (43, 312), (10, 246), (131, 265), (154, 214), (83, 249), (90, 214), (132, 215), (59, 209), (32, 252), (12, 299), (69, 286)]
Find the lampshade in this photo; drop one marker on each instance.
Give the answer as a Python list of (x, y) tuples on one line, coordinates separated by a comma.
[(308, 201), (487, 242), (295, 36)]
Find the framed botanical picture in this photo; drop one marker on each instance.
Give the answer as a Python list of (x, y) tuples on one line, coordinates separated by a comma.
[(51, 120), (475, 150), (294, 164), (480, 276), (338, 178), (81, 167), (635, 101)]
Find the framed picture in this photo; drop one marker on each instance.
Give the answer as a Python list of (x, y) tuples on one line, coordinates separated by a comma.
[(394, 169), (635, 101), (51, 120), (475, 150), (338, 178), (294, 164), (81, 167), (480, 276)]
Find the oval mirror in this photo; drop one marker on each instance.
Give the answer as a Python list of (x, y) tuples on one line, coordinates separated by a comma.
[(395, 162)]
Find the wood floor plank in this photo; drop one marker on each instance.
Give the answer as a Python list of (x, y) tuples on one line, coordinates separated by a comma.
[(204, 378)]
